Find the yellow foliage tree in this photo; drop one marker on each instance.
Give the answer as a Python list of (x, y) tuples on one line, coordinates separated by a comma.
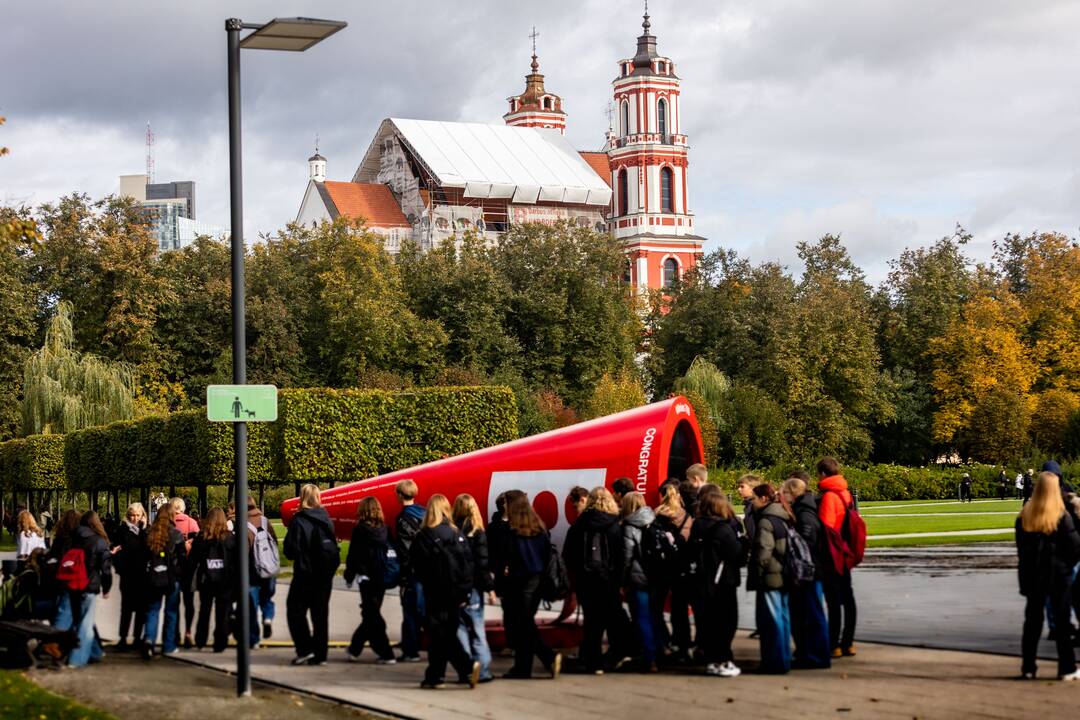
[(1052, 309), (981, 350), (614, 394)]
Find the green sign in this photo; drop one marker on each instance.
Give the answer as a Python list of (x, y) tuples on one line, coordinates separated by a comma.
[(241, 403)]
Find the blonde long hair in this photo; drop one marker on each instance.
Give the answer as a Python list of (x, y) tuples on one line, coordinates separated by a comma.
[(467, 514), (631, 503), (27, 524), (438, 510), (1043, 512), (601, 500), (671, 504)]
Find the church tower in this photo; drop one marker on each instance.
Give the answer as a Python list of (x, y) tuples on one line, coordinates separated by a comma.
[(648, 155), (536, 107)]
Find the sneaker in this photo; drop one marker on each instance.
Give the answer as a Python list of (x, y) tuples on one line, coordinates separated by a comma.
[(1027, 675), (409, 658), (849, 651), (730, 670), (755, 635), (313, 661), (598, 671), (386, 661), (268, 629), (174, 651), (303, 659), (432, 685), (1074, 675), (713, 669), (188, 644), (349, 657), (836, 652), (147, 652), (621, 662), (556, 666), (122, 646), (474, 676)]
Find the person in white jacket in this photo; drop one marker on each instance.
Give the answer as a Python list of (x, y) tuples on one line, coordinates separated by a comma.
[(28, 537)]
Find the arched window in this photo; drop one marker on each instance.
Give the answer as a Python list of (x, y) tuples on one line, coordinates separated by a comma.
[(661, 117), (623, 193), (627, 272), (671, 272), (547, 103), (625, 118), (667, 182)]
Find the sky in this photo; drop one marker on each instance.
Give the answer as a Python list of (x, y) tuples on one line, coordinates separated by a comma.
[(887, 123)]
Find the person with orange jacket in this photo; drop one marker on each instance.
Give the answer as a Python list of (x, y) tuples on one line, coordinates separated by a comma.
[(839, 596)]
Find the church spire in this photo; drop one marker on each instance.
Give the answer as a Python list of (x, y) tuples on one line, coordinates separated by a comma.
[(536, 107)]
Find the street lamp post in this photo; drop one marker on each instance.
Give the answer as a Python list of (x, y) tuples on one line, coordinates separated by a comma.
[(295, 34)]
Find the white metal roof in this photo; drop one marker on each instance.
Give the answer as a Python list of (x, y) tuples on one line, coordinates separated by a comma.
[(522, 165)]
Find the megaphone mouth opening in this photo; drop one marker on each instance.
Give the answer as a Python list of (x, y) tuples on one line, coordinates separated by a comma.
[(683, 451)]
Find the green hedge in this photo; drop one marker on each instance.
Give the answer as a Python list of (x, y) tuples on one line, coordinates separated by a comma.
[(33, 463), (345, 435), (321, 435), (896, 482)]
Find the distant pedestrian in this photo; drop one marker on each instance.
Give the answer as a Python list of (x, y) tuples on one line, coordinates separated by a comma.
[(809, 622), (366, 563), (442, 560), (593, 554), (965, 488), (164, 556), (472, 631), (129, 561), (212, 556), (264, 561), (28, 537), (640, 593), (90, 537), (1003, 485), (1029, 484), (768, 550), (1048, 547), (833, 506), (190, 530), (716, 553), (311, 545), (1019, 483), (409, 522), (526, 559)]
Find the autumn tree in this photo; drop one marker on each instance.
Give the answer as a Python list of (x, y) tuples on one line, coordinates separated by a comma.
[(614, 394), (18, 237)]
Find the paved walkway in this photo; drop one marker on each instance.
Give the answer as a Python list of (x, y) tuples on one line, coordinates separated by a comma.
[(882, 682)]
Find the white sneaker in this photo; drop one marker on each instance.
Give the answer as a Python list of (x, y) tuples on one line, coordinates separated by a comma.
[(730, 670), (386, 661), (713, 669), (1075, 675), (351, 658), (303, 660)]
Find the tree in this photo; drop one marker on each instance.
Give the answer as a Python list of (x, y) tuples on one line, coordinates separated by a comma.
[(1051, 302), (18, 236), (997, 431), (753, 428), (614, 394), (65, 390), (1050, 421)]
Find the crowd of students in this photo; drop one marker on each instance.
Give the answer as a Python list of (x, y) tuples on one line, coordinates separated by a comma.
[(639, 574)]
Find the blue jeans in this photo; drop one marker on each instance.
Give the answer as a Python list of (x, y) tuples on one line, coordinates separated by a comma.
[(641, 611), (267, 588), (63, 618), (171, 602), (412, 614), (774, 628), (810, 626), (472, 634), (85, 604)]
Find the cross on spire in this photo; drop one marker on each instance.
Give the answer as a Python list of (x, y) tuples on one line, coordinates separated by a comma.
[(316, 143), (610, 112), (646, 24), (534, 35)]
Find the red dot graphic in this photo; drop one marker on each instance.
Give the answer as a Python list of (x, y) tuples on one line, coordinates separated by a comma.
[(570, 511), (546, 506)]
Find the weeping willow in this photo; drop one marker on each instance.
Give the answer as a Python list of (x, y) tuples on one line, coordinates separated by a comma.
[(706, 381), (64, 390)]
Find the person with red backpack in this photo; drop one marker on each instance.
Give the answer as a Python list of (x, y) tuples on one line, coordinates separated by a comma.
[(86, 568), (834, 508), (164, 553), (63, 536)]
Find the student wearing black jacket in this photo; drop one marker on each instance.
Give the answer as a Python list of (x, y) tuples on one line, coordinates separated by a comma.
[(366, 561), (63, 536), (1048, 548), (163, 554), (442, 560), (472, 633), (91, 537), (311, 545), (126, 556), (809, 622), (716, 552), (593, 553), (527, 557), (212, 566)]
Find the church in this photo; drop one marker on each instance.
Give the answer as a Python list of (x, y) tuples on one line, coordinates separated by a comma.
[(430, 180)]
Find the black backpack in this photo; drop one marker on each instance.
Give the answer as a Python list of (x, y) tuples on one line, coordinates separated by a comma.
[(596, 562), (325, 555), (214, 564), (554, 583), (799, 565), (159, 571), (659, 553), (452, 568)]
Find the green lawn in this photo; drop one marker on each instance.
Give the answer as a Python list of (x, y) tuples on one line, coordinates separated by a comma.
[(279, 530), (918, 524), (868, 509), (20, 699)]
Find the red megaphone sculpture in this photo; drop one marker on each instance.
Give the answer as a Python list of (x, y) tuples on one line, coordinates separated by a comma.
[(647, 444)]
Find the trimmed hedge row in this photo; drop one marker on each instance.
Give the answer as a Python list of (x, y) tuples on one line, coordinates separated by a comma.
[(321, 435), (896, 482)]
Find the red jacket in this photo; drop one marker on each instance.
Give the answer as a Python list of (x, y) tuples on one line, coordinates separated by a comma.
[(835, 499)]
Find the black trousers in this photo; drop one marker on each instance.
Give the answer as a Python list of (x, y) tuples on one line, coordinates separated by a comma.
[(717, 617), (132, 607), (840, 598), (372, 628), (219, 601), (603, 612), (309, 596), (680, 618), (1058, 595), (443, 644), (519, 613), (187, 595)]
